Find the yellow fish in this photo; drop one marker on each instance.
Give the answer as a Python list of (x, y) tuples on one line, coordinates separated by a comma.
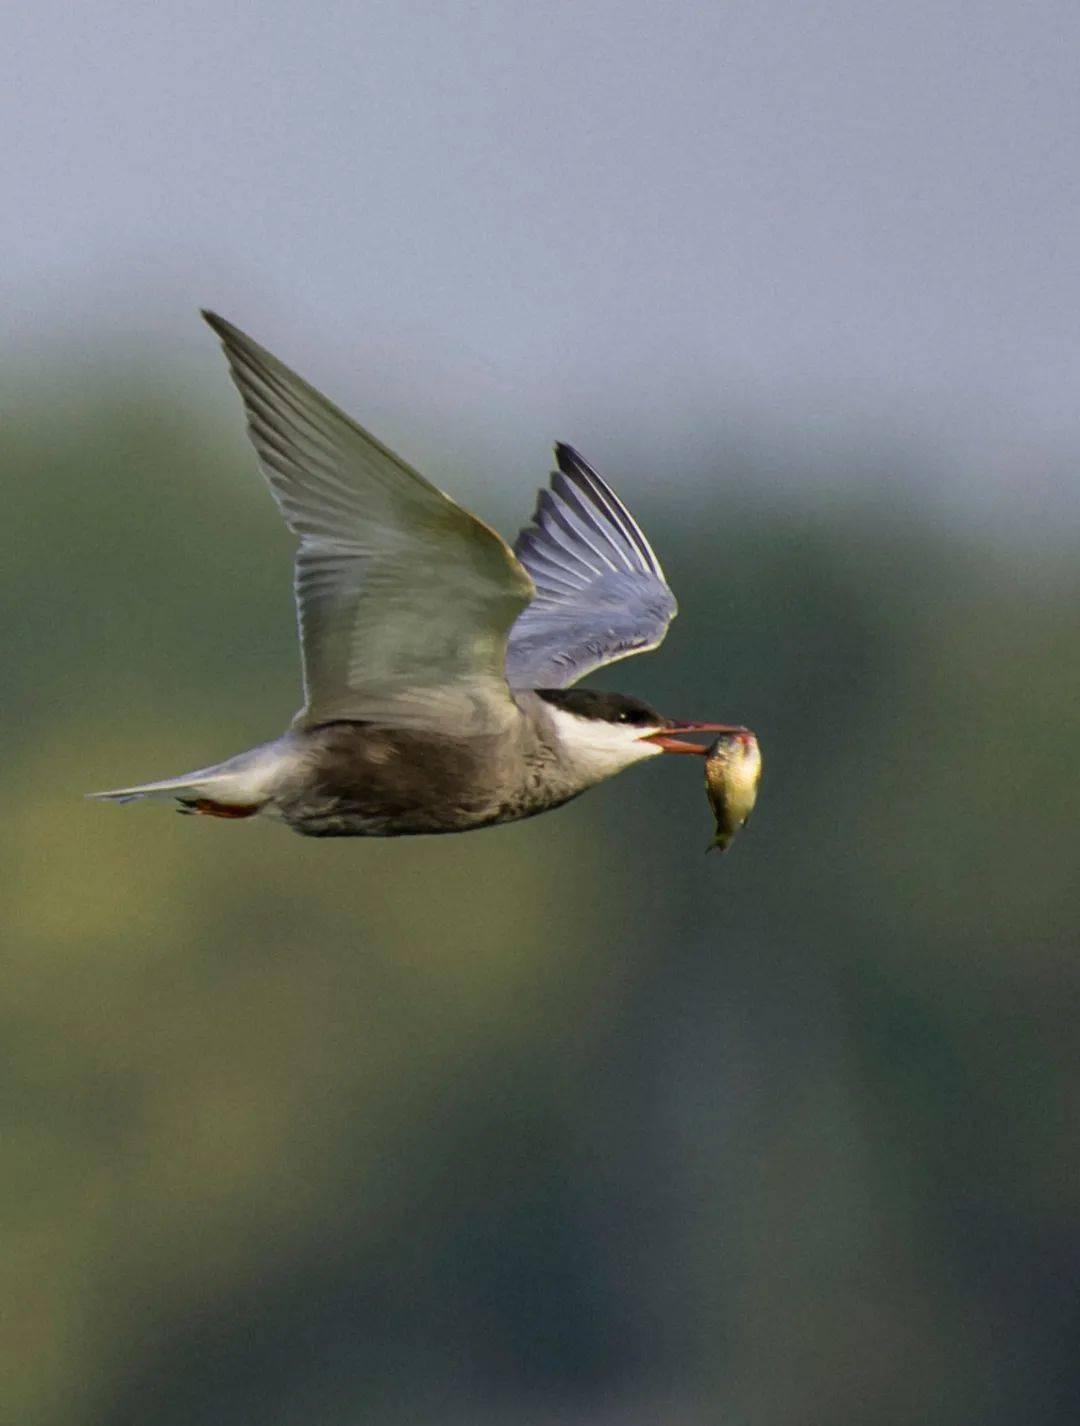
[(732, 774)]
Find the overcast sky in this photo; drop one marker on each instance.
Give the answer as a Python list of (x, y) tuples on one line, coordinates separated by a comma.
[(622, 223)]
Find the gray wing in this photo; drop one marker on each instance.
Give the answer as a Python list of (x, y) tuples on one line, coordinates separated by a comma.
[(405, 601), (600, 592)]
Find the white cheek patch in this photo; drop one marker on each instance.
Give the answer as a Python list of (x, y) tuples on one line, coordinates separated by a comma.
[(599, 749)]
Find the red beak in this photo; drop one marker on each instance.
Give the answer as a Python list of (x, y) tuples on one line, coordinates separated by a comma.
[(671, 744)]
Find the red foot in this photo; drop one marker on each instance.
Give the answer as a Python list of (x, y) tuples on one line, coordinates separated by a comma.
[(207, 808)]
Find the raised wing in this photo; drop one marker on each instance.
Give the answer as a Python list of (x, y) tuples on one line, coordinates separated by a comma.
[(600, 592), (405, 600)]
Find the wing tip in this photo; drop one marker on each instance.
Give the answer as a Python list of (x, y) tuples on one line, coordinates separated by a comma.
[(230, 336), (569, 460), (573, 465)]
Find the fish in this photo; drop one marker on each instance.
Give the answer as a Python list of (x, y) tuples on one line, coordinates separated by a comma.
[(732, 775)]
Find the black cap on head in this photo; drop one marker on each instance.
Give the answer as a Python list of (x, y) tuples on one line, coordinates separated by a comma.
[(608, 707)]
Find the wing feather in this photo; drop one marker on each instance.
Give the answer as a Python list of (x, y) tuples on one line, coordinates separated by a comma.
[(601, 594), (405, 601)]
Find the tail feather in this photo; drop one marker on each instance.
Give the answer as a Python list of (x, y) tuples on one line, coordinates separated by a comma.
[(191, 785), (247, 780)]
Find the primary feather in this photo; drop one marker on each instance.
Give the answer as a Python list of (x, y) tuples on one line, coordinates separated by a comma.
[(601, 594)]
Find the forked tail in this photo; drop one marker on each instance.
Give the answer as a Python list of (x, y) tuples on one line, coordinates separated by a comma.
[(193, 785), (239, 787)]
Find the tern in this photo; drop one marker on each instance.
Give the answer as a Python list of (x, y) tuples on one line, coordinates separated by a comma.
[(438, 664)]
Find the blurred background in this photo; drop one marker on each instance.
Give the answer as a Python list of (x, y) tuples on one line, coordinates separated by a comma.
[(561, 1122)]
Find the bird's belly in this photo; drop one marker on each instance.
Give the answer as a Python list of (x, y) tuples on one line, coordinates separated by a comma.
[(350, 817), (362, 782)]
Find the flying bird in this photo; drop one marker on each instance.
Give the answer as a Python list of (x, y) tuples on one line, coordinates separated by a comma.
[(439, 665)]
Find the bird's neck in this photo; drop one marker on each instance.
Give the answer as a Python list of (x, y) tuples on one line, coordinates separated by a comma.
[(579, 752)]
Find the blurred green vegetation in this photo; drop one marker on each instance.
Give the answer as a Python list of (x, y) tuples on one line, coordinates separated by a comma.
[(556, 1122)]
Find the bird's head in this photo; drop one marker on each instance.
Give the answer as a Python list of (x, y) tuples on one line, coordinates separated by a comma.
[(605, 732)]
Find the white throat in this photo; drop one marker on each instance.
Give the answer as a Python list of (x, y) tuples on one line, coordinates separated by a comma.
[(594, 748)]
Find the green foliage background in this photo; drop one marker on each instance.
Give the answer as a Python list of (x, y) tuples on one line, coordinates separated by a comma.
[(563, 1121)]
